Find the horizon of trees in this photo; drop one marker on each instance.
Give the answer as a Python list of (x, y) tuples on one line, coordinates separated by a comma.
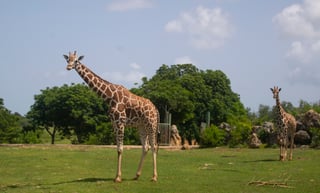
[(77, 113)]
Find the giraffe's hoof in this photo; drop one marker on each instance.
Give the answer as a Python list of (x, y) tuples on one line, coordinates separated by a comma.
[(117, 179), (281, 158), (154, 179), (137, 177)]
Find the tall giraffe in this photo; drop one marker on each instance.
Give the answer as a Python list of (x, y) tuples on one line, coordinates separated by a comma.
[(286, 124), (126, 109)]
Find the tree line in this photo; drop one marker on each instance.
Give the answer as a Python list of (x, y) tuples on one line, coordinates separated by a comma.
[(76, 113)]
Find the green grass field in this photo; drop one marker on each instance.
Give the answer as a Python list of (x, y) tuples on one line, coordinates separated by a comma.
[(72, 169)]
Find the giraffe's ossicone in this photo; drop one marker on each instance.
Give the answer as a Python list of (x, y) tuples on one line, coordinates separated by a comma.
[(126, 109)]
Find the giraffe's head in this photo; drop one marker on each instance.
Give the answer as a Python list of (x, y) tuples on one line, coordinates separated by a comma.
[(275, 90), (72, 60)]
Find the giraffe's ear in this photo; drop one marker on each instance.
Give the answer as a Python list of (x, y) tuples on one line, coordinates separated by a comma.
[(271, 89), (66, 57), (80, 58), (279, 89)]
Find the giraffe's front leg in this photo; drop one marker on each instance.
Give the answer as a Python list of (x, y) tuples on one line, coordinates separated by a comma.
[(154, 147), (283, 153), (118, 176), (119, 136)]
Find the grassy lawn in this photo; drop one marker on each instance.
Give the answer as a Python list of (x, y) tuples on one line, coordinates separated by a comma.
[(72, 169)]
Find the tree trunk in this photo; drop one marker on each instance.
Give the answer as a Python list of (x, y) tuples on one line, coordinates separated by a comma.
[(52, 134)]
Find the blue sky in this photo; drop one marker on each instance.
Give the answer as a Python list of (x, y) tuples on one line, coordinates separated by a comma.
[(258, 44)]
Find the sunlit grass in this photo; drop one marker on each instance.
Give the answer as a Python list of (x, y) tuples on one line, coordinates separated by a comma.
[(67, 168)]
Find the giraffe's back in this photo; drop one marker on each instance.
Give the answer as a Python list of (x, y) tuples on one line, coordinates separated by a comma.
[(140, 112), (292, 124)]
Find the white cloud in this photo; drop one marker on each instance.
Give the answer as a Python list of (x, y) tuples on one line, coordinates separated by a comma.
[(300, 20), (298, 51), (300, 23), (295, 72), (315, 47), (131, 76), (206, 28), (305, 75), (183, 60), (126, 5), (118, 77), (294, 21), (135, 65), (173, 26), (312, 8), (304, 51)]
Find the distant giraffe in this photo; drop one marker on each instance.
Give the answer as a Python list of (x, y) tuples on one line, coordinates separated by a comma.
[(126, 109), (286, 124)]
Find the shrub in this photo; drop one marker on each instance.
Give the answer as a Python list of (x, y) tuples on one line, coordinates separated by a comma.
[(239, 135), (315, 142), (31, 137), (131, 136), (212, 137), (103, 135)]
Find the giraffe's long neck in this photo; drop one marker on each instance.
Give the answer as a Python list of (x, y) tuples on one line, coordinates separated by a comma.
[(278, 104), (280, 110), (102, 87)]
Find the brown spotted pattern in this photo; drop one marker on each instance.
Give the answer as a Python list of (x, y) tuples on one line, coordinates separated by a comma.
[(286, 124), (126, 109)]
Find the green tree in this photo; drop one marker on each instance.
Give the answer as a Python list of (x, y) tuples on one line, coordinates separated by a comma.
[(265, 113), (68, 109), (10, 128), (86, 111), (189, 93)]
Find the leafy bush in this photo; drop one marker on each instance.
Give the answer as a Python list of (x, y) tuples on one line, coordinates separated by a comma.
[(212, 137), (315, 142), (131, 136), (103, 135), (31, 137), (239, 135)]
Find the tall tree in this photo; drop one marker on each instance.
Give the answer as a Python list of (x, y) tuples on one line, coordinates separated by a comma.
[(68, 108), (10, 128), (189, 93)]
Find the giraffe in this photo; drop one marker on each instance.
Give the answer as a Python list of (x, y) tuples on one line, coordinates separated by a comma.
[(126, 109), (286, 124)]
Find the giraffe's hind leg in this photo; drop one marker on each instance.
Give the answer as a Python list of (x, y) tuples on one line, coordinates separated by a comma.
[(154, 157), (145, 140), (143, 155), (145, 149), (291, 146)]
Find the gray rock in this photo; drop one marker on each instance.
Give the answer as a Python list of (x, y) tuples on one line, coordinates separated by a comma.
[(302, 138)]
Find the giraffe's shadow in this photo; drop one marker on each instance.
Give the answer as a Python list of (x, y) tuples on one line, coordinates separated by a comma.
[(93, 180), (80, 180), (262, 160)]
